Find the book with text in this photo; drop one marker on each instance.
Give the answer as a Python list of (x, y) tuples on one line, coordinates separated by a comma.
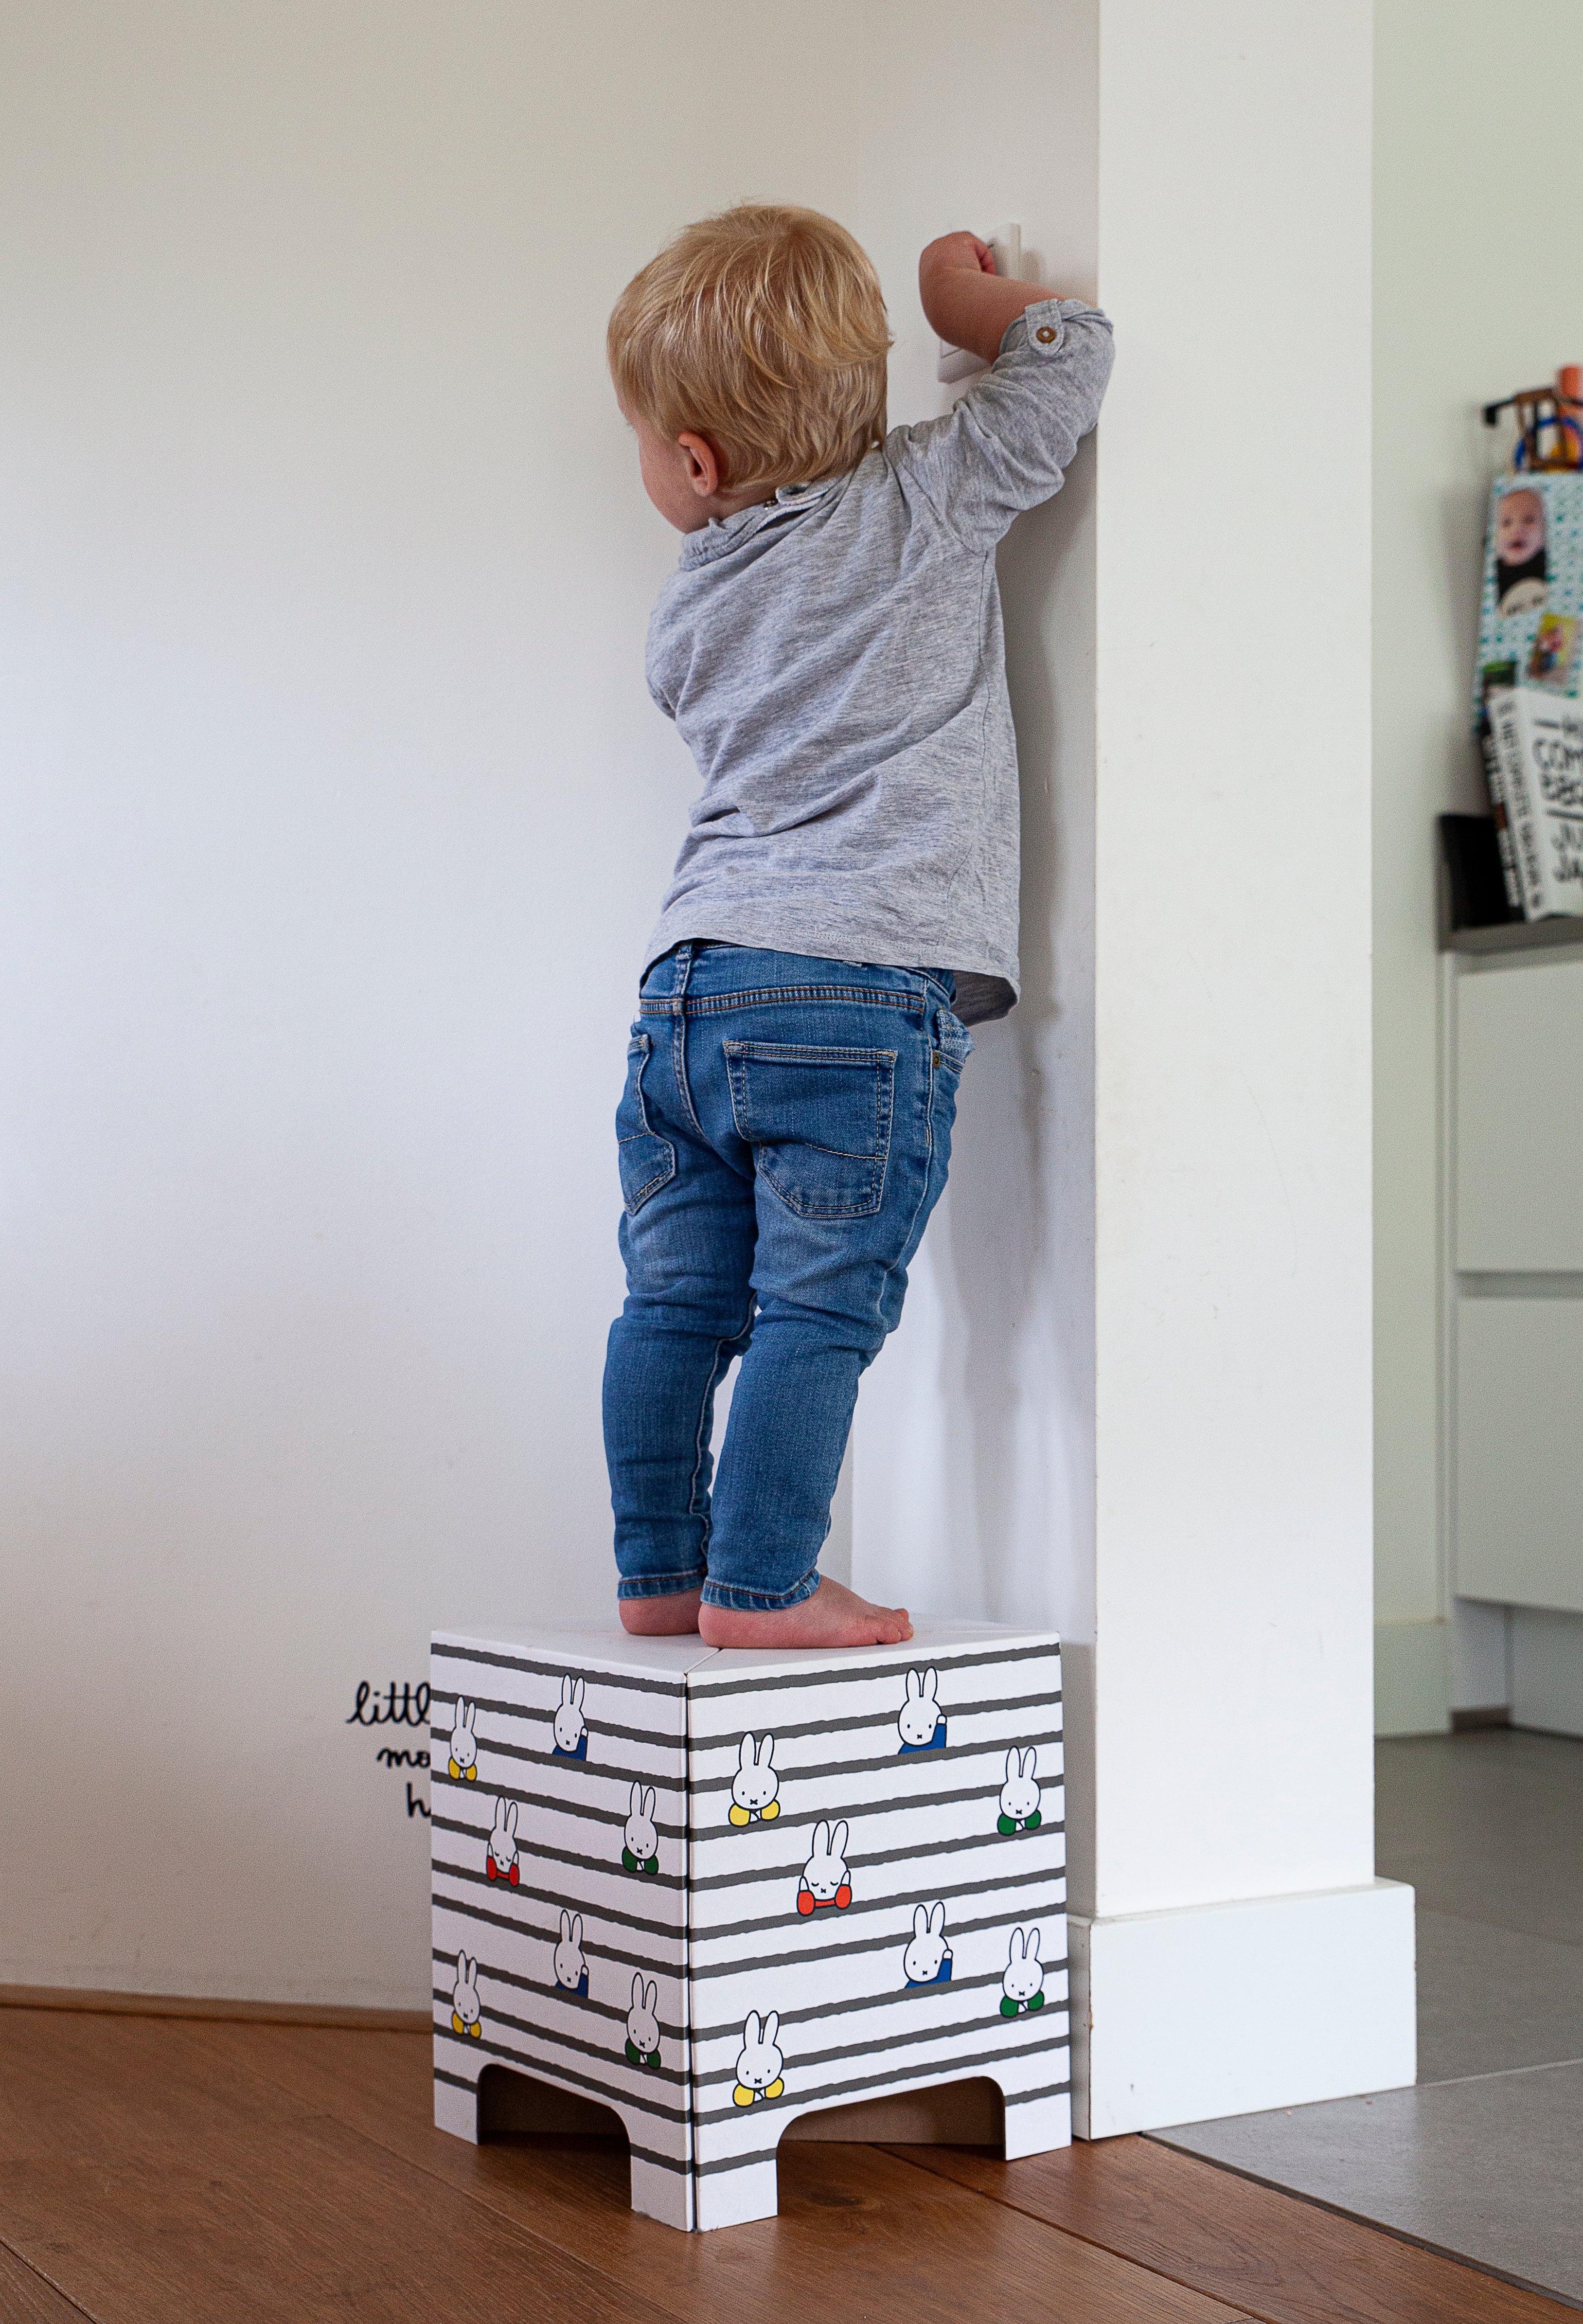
[(1539, 744)]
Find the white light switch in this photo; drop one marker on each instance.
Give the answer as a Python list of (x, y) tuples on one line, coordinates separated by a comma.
[(1006, 245)]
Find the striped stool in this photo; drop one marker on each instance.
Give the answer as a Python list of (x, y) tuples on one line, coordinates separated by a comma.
[(717, 1890)]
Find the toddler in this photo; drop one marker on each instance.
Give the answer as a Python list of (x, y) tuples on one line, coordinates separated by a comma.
[(846, 902)]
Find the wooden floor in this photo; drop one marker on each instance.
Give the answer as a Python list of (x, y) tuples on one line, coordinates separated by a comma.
[(169, 2171)]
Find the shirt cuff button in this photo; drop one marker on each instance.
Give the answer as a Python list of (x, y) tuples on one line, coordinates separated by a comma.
[(1044, 335)]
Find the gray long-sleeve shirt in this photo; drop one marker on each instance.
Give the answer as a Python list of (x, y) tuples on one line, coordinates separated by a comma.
[(833, 658)]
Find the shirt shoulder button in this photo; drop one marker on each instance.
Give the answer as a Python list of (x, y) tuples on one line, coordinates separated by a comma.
[(1043, 334)]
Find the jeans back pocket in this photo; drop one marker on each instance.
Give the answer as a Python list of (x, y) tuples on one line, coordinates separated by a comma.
[(818, 1121), (647, 1159)]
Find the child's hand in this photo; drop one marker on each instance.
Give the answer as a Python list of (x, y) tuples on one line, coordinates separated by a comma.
[(958, 249), (964, 300)]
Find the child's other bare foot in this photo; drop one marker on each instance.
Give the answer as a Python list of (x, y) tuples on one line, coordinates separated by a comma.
[(832, 1617), (671, 1617)]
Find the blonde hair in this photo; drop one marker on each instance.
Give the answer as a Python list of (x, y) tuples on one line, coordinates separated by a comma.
[(764, 330)]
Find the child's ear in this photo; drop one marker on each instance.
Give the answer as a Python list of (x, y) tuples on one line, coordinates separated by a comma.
[(706, 468)]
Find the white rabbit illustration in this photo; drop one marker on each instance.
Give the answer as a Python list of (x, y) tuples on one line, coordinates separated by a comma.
[(571, 1970), (643, 2026), (927, 1958), (1019, 1793), (1024, 1979), (500, 1864), (759, 2062), (570, 1735), (465, 2007), (463, 1747), (755, 1784), (824, 1879), (641, 1853), (920, 1714)]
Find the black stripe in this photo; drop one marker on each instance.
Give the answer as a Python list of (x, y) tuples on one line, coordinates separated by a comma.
[(918, 2040), (918, 1852), (951, 1757), (892, 1997), (944, 1658), (578, 2001), (1006, 1917), (899, 2086), (671, 1931), (854, 1811), (673, 2075), (1043, 1700), (612, 1818), (670, 1739), (612, 1865), (487, 1657), (960, 2070), (666, 2162)]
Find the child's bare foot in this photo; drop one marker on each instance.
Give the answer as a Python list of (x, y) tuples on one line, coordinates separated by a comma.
[(660, 1617), (832, 1617)]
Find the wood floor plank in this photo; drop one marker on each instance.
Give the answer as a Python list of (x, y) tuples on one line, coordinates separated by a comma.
[(323, 2227), (860, 2233), (1270, 2254), (75, 2085), (25, 2298)]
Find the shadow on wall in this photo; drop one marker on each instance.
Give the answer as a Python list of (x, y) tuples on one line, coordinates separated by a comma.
[(966, 1502)]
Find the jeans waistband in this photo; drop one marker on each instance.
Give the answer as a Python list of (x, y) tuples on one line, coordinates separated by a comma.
[(672, 977)]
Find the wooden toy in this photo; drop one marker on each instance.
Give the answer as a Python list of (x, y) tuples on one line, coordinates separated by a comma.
[(714, 1891)]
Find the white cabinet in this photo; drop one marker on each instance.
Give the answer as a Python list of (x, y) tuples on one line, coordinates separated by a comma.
[(1518, 1434), (1519, 1116), (1512, 1243)]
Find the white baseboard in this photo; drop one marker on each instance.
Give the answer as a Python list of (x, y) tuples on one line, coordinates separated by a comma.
[(1221, 2009), (1412, 1678)]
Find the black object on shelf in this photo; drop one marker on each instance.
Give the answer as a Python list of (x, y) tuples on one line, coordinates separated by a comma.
[(1475, 891)]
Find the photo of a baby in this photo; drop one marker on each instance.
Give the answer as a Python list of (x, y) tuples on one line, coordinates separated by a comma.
[(1520, 539)]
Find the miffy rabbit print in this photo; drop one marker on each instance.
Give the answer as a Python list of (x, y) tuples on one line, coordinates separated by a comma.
[(466, 2009), (758, 2061), (1023, 1984), (464, 1749), (640, 1840), (571, 1968), (571, 1735), (927, 1958), (501, 1861), (1019, 1793), (825, 1878), (717, 1891), (643, 2024), (755, 1785), (921, 1722)]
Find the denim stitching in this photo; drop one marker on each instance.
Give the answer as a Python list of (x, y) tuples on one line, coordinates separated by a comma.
[(717, 1371), (692, 1004), (634, 1202), (883, 1115), (760, 1601)]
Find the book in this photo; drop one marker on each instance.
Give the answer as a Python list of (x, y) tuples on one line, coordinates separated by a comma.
[(1475, 894), (1499, 675), (1539, 743)]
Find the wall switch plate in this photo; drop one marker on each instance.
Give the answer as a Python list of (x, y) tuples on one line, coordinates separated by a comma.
[(956, 363)]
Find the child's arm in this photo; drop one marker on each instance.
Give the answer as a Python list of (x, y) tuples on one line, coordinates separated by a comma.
[(1007, 444), (965, 301)]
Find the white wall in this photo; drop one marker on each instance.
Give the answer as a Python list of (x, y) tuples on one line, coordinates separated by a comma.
[(1174, 1409), (335, 814), (1471, 300)]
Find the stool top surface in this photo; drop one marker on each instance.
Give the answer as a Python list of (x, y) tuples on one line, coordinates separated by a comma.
[(679, 1658)]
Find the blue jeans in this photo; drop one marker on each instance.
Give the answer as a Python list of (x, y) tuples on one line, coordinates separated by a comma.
[(784, 1135)]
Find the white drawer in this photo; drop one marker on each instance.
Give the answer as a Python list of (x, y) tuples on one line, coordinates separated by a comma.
[(1519, 1176), (1518, 1530)]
